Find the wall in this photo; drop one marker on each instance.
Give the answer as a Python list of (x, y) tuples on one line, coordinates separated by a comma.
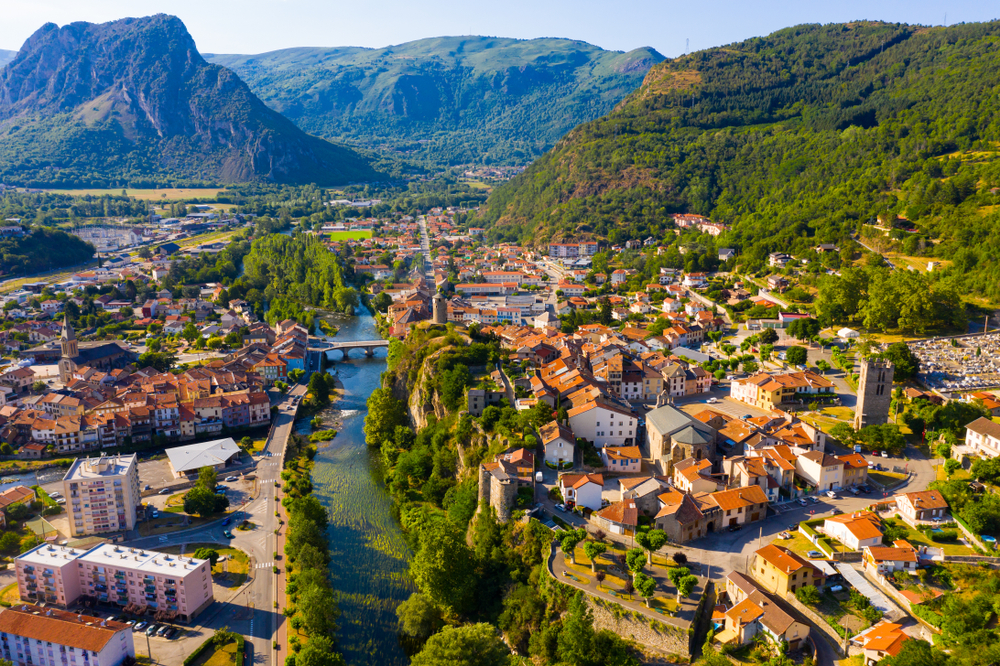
[(632, 625), (818, 623)]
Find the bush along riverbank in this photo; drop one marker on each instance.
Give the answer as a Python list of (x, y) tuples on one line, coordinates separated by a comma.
[(480, 582), (312, 604)]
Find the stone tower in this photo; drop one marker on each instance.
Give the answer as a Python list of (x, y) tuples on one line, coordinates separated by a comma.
[(68, 340), (874, 393), (440, 309)]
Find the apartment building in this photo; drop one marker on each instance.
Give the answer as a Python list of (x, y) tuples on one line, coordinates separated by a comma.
[(37, 636), (102, 494), (173, 587)]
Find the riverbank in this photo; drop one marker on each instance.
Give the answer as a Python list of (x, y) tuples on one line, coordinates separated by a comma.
[(370, 555)]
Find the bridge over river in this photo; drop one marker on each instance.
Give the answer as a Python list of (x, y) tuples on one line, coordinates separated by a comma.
[(345, 347)]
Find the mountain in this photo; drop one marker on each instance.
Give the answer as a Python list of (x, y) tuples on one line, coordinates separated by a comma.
[(795, 138), (133, 103), (6, 56), (447, 100)]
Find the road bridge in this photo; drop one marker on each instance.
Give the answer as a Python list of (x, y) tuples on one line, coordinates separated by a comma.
[(345, 347)]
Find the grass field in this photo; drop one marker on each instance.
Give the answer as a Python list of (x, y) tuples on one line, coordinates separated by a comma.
[(360, 234), (220, 656), (9, 594), (166, 194)]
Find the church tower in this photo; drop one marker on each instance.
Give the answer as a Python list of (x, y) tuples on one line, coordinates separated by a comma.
[(68, 340)]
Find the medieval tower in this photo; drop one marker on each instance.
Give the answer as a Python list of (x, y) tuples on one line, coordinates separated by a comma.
[(440, 309), (874, 393)]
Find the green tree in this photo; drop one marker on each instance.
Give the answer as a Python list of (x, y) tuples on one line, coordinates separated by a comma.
[(646, 586), (443, 567), (384, 413), (808, 595), (768, 336), (466, 645), (905, 363), (10, 542), (418, 617), (635, 559), (319, 651), (201, 501), (796, 355), (207, 554), (318, 607), (651, 542), (569, 542), (951, 466), (593, 550), (685, 586)]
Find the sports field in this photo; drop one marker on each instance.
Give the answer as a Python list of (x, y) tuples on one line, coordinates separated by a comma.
[(166, 194), (360, 234)]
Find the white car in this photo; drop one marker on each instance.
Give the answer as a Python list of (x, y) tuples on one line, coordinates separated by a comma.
[(713, 401), (831, 494)]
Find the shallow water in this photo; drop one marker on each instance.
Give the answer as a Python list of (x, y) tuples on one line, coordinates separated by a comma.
[(368, 553)]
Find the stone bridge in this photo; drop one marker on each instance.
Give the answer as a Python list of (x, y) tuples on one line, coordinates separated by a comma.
[(368, 346)]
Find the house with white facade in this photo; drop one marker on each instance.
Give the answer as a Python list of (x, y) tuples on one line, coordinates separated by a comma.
[(582, 489), (604, 423)]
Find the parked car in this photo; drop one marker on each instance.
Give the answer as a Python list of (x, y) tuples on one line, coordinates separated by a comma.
[(784, 535), (885, 454), (55, 495), (227, 534), (163, 630), (864, 489), (225, 521), (793, 527), (857, 448), (152, 629), (561, 507), (713, 401), (814, 499), (171, 632), (61, 500), (165, 491), (814, 554), (735, 527), (802, 501), (232, 478), (141, 626), (836, 511), (147, 487), (855, 492), (836, 588), (831, 494)]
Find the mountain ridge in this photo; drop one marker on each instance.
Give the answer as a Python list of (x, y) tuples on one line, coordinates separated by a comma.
[(147, 109), (445, 100), (793, 139)]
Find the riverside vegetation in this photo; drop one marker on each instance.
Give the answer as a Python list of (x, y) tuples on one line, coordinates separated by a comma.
[(474, 574)]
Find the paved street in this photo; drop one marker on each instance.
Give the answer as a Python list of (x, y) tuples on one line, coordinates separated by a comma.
[(248, 610)]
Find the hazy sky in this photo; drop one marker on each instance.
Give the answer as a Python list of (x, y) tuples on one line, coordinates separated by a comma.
[(254, 26)]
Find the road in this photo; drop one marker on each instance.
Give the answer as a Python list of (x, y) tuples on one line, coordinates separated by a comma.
[(250, 609)]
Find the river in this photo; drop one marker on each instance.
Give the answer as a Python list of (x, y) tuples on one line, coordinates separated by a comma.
[(368, 552)]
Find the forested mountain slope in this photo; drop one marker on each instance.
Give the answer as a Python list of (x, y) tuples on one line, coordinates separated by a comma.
[(446, 100), (133, 103), (794, 138)]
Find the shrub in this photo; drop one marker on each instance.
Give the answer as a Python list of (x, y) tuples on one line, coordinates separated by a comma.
[(944, 536)]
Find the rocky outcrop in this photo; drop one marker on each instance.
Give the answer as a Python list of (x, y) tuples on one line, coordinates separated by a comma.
[(133, 99)]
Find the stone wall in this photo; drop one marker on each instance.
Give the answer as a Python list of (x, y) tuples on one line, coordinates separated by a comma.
[(818, 623), (633, 625)]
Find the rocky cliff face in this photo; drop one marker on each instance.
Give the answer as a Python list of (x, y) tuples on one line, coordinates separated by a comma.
[(133, 101)]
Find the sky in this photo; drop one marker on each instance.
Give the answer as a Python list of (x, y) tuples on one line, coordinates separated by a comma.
[(255, 26)]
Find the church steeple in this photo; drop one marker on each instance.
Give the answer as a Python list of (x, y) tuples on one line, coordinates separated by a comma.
[(68, 340)]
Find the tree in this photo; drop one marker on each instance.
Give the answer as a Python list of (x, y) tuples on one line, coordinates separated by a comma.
[(318, 607), (796, 355), (577, 635), (467, 645), (685, 586), (804, 329), (951, 466), (6, 449), (418, 617), (651, 542), (679, 558), (207, 554), (10, 542), (384, 413), (807, 594), (200, 500), (318, 651), (905, 362), (768, 336), (635, 559), (599, 576), (443, 567), (569, 542), (208, 478), (593, 550), (646, 586), (319, 388)]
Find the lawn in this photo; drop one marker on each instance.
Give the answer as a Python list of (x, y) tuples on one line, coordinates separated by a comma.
[(842, 413), (887, 479), (166, 194), (360, 234), (918, 539), (958, 475), (9, 595), (224, 656), (801, 545)]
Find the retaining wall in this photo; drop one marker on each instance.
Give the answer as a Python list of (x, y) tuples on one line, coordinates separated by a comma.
[(633, 625)]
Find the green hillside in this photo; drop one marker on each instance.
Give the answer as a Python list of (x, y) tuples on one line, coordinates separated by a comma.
[(447, 100), (795, 138)]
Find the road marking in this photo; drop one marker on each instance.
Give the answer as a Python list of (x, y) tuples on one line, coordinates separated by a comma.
[(264, 565)]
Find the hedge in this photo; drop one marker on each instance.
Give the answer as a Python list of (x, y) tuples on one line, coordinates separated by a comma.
[(210, 643)]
